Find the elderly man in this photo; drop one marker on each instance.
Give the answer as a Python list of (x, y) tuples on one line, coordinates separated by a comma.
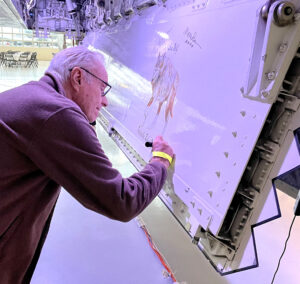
[(46, 142)]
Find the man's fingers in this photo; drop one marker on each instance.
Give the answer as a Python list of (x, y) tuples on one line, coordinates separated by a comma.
[(158, 139)]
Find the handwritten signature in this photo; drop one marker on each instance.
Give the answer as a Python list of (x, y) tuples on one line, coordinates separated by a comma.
[(191, 38), (174, 47)]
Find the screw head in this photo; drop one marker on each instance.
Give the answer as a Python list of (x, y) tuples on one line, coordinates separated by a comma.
[(283, 47), (288, 10), (265, 93), (271, 75)]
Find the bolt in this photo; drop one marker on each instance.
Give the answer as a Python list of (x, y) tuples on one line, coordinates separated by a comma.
[(226, 154), (243, 113), (242, 90), (265, 93), (283, 47), (234, 134), (288, 11), (264, 11), (271, 75), (218, 174)]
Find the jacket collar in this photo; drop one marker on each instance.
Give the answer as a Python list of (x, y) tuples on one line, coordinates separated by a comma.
[(53, 79)]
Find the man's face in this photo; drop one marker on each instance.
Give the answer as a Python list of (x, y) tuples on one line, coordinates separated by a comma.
[(90, 90)]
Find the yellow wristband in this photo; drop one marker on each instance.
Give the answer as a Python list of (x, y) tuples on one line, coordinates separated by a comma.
[(162, 155)]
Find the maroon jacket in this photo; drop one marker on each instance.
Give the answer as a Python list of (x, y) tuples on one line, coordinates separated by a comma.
[(46, 141)]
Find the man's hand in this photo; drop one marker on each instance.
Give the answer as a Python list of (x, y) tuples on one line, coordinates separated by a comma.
[(159, 145)]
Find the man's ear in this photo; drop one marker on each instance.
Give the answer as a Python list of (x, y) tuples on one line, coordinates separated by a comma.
[(76, 78)]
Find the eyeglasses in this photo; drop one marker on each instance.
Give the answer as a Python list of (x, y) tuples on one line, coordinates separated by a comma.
[(107, 86)]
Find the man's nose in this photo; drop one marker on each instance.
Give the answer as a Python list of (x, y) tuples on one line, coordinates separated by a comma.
[(104, 101)]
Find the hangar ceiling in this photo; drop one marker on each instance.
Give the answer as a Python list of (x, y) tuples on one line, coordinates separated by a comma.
[(9, 16)]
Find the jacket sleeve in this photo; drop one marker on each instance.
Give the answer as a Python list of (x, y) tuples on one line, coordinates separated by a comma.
[(67, 150)]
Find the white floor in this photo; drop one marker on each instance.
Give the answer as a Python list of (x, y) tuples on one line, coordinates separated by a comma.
[(84, 247), (12, 77)]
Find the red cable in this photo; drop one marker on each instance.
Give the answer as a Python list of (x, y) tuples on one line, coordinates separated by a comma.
[(158, 254)]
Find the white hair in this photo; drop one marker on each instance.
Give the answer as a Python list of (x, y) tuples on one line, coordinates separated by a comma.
[(71, 57)]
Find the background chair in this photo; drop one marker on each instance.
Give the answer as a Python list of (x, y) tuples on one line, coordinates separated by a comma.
[(9, 60), (33, 60), (24, 59), (2, 58)]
